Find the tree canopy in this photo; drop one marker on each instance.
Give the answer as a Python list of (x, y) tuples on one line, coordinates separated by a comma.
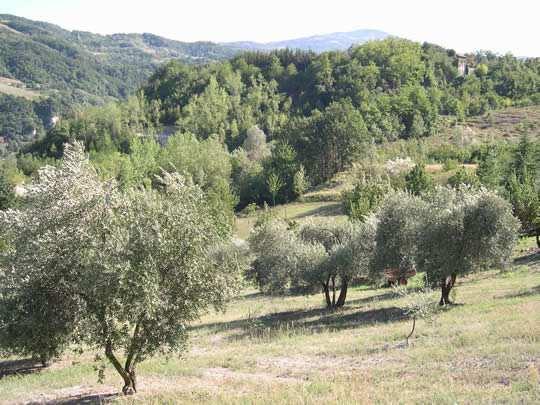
[(120, 271)]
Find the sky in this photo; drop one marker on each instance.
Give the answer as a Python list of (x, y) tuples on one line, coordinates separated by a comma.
[(464, 25)]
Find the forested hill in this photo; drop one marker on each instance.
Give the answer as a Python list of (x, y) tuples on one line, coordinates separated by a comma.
[(266, 124), (46, 70), (46, 56)]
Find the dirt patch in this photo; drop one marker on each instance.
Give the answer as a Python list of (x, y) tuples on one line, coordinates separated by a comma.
[(221, 373), (305, 365)]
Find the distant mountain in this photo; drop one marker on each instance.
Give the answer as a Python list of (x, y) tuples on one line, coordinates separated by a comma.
[(317, 43)]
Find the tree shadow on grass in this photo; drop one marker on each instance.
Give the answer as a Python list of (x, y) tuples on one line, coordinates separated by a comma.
[(19, 367), (374, 298), (311, 320), (528, 260), (89, 399), (252, 296), (522, 294)]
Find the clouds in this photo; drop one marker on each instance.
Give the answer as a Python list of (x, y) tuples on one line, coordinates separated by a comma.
[(465, 25)]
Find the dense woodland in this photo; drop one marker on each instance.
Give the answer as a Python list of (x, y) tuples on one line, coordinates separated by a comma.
[(286, 115)]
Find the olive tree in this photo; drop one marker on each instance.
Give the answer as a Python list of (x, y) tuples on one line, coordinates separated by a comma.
[(463, 231), (399, 224), (446, 233), (277, 251), (349, 248), (122, 272), (321, 256)]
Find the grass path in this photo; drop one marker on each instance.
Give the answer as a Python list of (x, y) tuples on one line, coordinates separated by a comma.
[(297, 211)]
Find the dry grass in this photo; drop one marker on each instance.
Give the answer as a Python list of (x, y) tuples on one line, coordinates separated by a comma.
[(297, 211), (290, 350), (507, 124), (16, 88)]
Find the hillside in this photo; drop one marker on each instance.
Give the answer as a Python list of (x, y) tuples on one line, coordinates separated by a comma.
[(289, 350), (41, 61), (324, 200), (63, 69), (45, 56), (337, 41)]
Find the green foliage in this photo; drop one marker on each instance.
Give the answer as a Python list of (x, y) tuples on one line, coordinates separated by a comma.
[(18, 120), (365, 198), (207, 163), (525, 199), (526, 159), (400, 220), (247, 179), (514, 170), (492, 166), (108, 128), (255, 145), (321, 255), (300, 182), (465, 230), (417, 304), (117, 271), (343, 131), (275, 249), (418, 181), (7, 194), (275, 184), (464, 177), (349, 249), (446, 233), (279, 111), (74, 68), (450, 165)]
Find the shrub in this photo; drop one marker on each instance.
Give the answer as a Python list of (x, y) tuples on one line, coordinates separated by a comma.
[(464, 177), (365, 198), (418, 181)]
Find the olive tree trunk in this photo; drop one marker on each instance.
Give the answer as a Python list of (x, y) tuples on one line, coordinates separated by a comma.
[(447, 283), (330, 285), (326, 292), (127, 372), (342, 293)]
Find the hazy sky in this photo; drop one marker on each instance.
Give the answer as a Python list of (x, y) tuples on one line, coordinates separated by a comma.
[(465, 25)]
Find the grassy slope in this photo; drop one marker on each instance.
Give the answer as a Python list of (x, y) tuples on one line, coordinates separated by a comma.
[(270, 350), (18, 92), (507, 124), (290, 350), (16, 88), (297, 211)]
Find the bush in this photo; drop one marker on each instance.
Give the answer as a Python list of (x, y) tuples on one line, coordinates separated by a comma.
[(418, 181), (464, 177), (365, 198)]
